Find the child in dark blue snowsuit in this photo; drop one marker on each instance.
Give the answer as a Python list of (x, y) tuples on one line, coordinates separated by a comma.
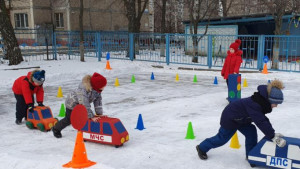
[(240, 114)]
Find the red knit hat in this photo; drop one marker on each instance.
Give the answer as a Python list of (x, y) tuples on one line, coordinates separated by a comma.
[(236, 45), (98, 81)]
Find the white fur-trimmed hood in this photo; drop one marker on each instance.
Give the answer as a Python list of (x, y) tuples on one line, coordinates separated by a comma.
[(86, 82)]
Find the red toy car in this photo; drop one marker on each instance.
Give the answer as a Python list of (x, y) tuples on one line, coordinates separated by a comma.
[(41, 118), (106, 130)]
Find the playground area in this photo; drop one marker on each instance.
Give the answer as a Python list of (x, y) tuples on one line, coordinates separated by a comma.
[(168, 98)]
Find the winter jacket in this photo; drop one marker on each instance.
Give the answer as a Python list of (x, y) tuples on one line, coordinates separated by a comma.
[(244, 111), (232, 63), (85, 95), (24, 86)]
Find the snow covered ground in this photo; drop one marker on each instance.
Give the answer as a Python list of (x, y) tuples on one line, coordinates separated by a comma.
[(166, 106)]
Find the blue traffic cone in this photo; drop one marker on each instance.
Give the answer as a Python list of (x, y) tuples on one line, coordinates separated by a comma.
[(216, 80), (107, 56), (152, 76), (140, 123)]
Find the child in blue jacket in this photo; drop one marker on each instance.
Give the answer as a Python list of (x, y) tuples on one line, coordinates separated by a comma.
[(240, 114)]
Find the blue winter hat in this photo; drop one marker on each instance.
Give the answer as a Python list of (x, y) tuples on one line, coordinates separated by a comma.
[(39, 77), (275, 96)]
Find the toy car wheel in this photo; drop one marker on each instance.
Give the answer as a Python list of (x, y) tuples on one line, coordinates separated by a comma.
[(41, 127), (55, 121), (117, 146), (29, 125)]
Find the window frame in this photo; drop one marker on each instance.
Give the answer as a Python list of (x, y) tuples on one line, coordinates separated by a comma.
[(21, 20), (59, 20)]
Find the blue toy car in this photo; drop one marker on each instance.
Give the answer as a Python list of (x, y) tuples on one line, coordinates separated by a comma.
[(268, 154)]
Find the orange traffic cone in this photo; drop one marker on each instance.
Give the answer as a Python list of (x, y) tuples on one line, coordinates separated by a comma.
[(79, 159), (108, 65), (265, 70)]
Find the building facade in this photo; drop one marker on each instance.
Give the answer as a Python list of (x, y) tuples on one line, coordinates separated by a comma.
[(98, 15)]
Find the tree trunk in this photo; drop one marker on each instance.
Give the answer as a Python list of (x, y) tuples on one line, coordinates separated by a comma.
[(163, 29), (131, 23), (195, 43), (131, 16), (81, 48), (275, 58), (13, 52)]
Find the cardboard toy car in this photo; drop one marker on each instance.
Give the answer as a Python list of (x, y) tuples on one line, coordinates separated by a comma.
[(106, 130), (268, 154), (41, 118)]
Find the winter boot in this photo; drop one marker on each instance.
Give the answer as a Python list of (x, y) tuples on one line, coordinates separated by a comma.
[(56, 133), (202, 155), (18, 122)]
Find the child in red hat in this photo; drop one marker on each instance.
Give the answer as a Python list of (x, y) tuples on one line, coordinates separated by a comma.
[(233, 60), (88, 91)]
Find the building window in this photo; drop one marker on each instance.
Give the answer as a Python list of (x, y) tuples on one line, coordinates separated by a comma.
[(59, 20), (21, 20)]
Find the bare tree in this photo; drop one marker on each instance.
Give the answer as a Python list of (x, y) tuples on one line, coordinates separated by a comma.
[(160, 15), (10, 41), (81, 48), (198, 11), (225, 7), (134, 13), (278, 8), (163, 16), (168, 16)]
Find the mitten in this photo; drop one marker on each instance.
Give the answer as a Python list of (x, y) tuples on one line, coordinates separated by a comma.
[(30, 107), (41, 104), (279, 141)]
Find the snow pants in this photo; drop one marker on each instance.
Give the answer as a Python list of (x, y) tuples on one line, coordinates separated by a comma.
[(63, 123), (224, 135), (21, 107)]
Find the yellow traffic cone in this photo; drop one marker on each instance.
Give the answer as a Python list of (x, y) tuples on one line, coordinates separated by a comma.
[(177, 77), (59, 92), (235, 141), (117, 82), (245, 84)]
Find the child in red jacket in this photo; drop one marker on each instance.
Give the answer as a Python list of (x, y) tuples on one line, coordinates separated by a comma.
[(233, 60), (24, 88)]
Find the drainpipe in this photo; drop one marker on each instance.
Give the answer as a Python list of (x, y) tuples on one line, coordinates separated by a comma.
[(68, 15), (32, 19)]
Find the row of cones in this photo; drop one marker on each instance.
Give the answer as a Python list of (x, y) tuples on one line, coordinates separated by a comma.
[(60, 93), (190, 133), (80, 160), (234, 143), (245, 84)]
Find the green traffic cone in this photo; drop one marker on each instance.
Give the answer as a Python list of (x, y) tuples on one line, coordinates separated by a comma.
[(190, 132), (132, 79), (62, 112), (195, 79)]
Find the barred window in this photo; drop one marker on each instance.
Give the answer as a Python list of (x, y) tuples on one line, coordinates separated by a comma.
[(21, 20), (59, 20)]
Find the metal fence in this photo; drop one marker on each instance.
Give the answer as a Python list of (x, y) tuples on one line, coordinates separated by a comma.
[(208, 50)]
